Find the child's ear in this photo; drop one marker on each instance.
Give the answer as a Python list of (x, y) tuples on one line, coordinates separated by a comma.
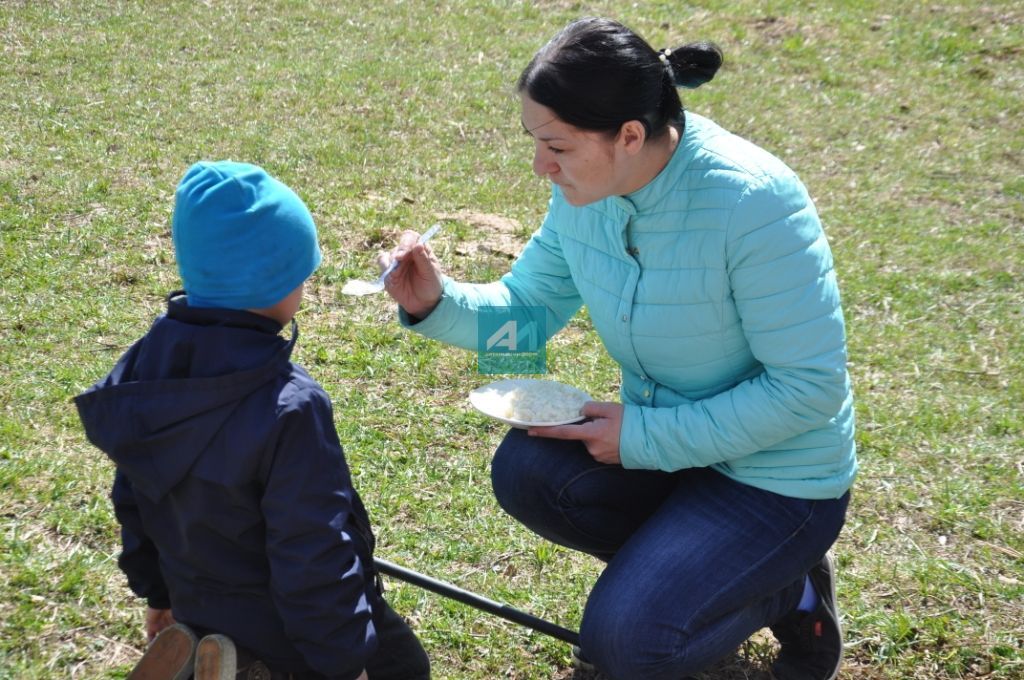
[(632, 136)]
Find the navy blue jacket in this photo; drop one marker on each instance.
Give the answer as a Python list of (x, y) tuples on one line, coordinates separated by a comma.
[(236, 505)]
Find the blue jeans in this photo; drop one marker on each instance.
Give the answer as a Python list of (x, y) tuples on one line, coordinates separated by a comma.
[(696, 562)]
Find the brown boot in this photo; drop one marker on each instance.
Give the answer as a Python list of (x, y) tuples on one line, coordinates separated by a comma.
[(168, 657)]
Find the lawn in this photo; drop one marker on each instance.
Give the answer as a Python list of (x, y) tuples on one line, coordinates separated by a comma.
[(904, 120)]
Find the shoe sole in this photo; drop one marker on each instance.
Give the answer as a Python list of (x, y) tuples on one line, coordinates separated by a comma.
[(216, 658), (169, 656)]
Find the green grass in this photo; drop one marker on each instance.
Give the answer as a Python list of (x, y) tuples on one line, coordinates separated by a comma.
[(903, 120)]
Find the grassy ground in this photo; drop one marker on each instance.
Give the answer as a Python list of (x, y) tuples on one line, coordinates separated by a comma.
[(905, 124)]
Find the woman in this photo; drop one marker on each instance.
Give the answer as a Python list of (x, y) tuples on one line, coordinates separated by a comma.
[(715, 489)]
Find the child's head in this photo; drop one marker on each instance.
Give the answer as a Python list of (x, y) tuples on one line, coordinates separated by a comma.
[(243, 240)]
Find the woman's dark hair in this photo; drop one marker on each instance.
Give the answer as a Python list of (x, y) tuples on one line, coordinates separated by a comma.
[(597, 74)]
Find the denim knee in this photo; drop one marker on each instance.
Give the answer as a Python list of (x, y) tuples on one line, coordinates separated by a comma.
[(507, 472), (628, 645)]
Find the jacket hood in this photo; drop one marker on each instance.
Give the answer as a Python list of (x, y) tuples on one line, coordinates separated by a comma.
[(171, 393)]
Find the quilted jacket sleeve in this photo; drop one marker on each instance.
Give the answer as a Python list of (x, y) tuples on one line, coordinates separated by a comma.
[(784, 288), (318, 578), (139, 560)]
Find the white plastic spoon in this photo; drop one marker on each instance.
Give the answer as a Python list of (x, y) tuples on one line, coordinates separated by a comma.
[(357, 287)]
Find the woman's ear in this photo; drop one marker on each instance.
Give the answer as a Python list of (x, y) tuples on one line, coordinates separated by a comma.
[(632, 136)]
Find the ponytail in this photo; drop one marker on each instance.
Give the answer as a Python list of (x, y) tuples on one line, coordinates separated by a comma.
[(694, 64)]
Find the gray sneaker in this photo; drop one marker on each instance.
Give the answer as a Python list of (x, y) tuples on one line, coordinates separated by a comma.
[(812, 642)]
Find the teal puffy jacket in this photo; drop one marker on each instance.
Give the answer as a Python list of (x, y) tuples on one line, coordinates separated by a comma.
[(713, 288)]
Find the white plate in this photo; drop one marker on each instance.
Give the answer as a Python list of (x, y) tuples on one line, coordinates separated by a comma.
[(489, 400)]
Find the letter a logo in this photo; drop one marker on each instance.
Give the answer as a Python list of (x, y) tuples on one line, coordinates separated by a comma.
[(511, 339), (505, 337)]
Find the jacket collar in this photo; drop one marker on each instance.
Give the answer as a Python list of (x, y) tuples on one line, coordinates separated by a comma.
[(179, 310), (646, 198), (652, 193)]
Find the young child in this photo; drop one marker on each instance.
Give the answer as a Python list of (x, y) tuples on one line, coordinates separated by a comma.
[(239, 521)]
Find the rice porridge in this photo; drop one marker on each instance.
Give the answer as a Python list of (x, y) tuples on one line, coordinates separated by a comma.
[(537, 401)]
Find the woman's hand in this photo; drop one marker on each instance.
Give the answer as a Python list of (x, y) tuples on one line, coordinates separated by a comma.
[(156, 621), (416, 284), (600, 434)]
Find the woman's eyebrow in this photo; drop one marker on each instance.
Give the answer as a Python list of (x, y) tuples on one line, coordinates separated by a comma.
[(529, 131), (552, 138)]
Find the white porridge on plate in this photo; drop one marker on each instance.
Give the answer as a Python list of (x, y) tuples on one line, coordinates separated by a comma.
[(532, 401)]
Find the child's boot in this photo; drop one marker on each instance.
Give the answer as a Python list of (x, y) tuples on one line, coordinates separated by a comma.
[(217, 658), (168, 657)]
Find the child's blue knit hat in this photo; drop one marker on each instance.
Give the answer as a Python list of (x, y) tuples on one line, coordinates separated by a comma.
[(243, 240)]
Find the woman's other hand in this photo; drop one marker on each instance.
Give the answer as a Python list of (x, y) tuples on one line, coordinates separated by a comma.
[(600, 434), (416, 283)]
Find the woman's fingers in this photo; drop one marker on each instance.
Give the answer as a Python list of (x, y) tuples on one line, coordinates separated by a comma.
[(600, 434), (574, 431), (407, 239), (409, 245), (600, 409), (416, 284), (595, 410)]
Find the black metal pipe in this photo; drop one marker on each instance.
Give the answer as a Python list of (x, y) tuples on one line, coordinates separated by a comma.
[(472, 599)]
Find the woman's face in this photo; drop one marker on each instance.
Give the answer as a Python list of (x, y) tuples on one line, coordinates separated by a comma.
[(581, 162)]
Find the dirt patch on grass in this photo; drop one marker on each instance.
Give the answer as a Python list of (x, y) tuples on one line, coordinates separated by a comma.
[(494, 234), (774, 29)]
